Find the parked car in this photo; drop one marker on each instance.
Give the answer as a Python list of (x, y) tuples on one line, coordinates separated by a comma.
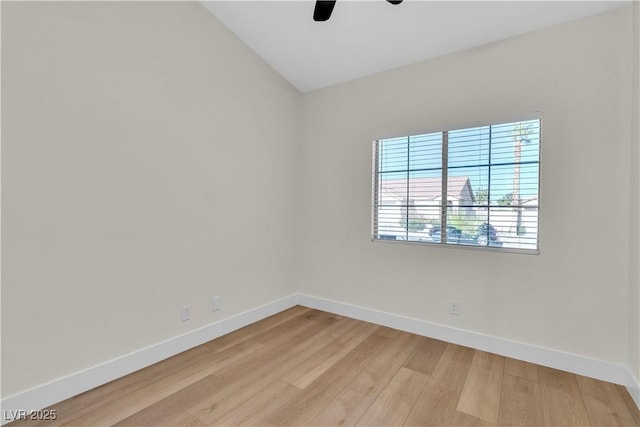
[(487, 236), (435, 229), (454, 235)]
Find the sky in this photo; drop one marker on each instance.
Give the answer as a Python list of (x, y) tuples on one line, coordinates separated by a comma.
[(485, 154)]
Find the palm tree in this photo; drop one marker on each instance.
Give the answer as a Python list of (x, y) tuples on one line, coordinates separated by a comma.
[(520, 132)]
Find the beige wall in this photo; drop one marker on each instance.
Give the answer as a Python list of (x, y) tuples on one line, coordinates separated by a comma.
[(634, 229), (573, 296), (147, 161)]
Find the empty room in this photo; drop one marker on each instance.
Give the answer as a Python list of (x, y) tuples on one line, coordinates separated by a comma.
[(296, 213)]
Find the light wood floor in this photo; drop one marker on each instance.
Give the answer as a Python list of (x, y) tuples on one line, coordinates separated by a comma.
[(306, 367)]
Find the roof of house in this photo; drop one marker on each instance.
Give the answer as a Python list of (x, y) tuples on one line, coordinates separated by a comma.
[(424, 188)]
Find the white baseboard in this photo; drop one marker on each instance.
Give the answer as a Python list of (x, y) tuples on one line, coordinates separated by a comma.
[(79, 382), (574, 363)]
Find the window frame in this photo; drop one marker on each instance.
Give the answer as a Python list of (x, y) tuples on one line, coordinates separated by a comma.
[(445, 176)]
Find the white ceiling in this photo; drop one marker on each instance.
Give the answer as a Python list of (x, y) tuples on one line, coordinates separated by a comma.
[(366, 37)]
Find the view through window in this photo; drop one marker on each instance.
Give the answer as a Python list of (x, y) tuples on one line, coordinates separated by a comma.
[(476, 186)]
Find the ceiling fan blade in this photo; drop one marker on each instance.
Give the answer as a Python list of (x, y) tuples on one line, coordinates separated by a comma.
[(395, 1), (323, 10)]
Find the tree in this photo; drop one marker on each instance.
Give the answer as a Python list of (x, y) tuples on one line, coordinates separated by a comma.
[(416, 224), (411, 219), (482, 197), (506, 200)]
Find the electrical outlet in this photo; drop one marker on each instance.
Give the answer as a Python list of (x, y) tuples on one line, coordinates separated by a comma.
[(216, 303), (454, 308), (185, 312)]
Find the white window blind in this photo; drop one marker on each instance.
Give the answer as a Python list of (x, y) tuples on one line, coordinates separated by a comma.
[(474, 187)]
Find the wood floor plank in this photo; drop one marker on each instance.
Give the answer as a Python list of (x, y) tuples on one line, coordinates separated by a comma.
[(491, 361), (329, 385), (521, 369), (217, 406), (562, 403), (436, 405), (520, 402), (183, 420), (426, 355), (241, 381), (252, 411), (303, 320), (121, 408), (465, 420), (396, 400), (82, 404), (307, 372), (194, 393), (630, 404), (345, 410), (384, 364), (388, 332), (603, 403), (171, 406), (130, 402), (481, 392), (250, 331)]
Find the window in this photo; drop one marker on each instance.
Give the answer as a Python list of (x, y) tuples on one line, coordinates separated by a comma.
[(472, 187)]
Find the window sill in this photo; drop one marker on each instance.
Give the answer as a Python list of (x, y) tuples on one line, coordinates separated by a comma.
[(464, 247)]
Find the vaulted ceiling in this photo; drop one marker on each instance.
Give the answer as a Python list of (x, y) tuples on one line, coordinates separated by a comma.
[(367, 37)]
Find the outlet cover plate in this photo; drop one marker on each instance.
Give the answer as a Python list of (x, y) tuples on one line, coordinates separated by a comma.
[(185, 312), (216, 303), (454, 308)]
